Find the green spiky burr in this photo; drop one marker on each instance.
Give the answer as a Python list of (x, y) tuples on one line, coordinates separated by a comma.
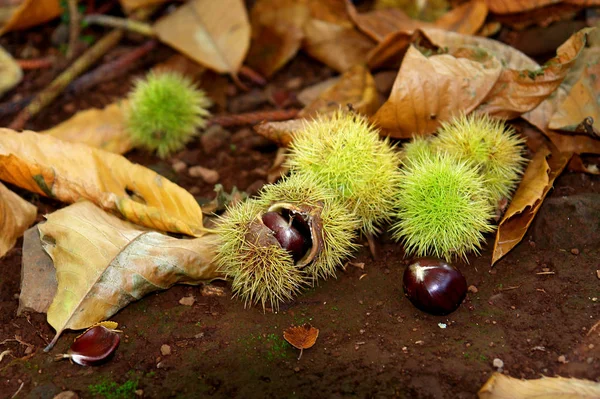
[(491, 145), (165, 112), (344, 153), (443, 207)]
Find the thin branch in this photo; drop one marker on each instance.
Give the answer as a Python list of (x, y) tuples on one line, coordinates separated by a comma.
[(120, 23), (252, 118), (74, 28)]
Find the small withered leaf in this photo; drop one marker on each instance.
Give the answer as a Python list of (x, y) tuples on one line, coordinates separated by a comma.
[(301, 337)]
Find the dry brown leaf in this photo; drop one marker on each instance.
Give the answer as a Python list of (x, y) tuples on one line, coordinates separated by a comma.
[(310, 93), (130, 5), (276, 33), (38, 277), (337, 46), (514, 6), (10, 73), (467, 18), (390, 52), (214, 33), (428, 91), (69, 172), (301, 337), (535, 185), (16, 215), (280, 133), (500, 386), (380, 23), (520, 91), (577, 165), (27, 14), (100, 128), (104, 263), (356, 87), (425, 10)]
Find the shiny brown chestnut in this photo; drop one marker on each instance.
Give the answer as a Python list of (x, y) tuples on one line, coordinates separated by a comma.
[(434, 286), (287, 234), (94, 346)]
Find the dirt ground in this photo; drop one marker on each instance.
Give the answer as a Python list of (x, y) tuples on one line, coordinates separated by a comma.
[(535, 311)]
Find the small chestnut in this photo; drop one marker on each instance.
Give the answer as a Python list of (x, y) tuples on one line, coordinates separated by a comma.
[(434, 286), (289, 237), (94, 346)]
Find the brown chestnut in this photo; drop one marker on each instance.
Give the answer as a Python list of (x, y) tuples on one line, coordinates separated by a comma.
[(434, 286), (287, 234), (94, 346)]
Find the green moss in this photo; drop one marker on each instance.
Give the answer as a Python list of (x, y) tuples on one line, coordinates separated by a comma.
[(112, 390)]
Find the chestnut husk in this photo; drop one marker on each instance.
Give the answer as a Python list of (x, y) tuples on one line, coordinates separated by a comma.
[(434, 286), (95, 346)]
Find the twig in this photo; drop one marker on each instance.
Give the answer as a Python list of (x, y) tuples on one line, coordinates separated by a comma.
[(254, 76), (110, 70), (252, 118), (57, 86), (120, 23), (74, 28), (509, 288), (36, 63), (541, 273), (18, 390)]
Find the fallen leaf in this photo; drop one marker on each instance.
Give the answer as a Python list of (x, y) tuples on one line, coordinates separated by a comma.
[(467, 18), (426, 10), (187, 300), (520, 91), (38, 277), (537, 181), (10, 73), (310, 93), (130, 5), (301, 337), (16, 215), (104, 263), (500, 386), (71, 171), (214, 33), (338, 46), (281, 133), (390, 52), (380, 23), (577, 165), (276, 33), (428, 91), (99, 128), (515, 6), (27, 13), (356, 87)]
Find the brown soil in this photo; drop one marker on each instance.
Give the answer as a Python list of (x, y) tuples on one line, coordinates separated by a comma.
[(372, 341)]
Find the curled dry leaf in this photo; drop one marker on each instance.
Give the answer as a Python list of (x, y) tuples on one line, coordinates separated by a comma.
[(130, 5), (100, 128), (27, 13), (103, 263), (428, 91), (535, 185), (467, 18), (380, 23), (301, 337), (16, 215), (500, 386), (276, 33), (69, 172), (577, 165), (214, 33), (514, 6)]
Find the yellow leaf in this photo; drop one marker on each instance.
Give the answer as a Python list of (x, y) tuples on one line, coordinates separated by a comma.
[(428, 91), (16, 215), (10, 73), (103, 263), (500, 386), (70, 172), (213, 33), (27, 14), (100, 128), (535, 185)]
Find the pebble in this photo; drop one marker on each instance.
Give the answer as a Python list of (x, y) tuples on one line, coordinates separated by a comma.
[(165, 350), (498, 363), (575, 251), (562, 359), (294, 83), (472, 289), (139, 392), (210, 176), (187, 300), (66, 395), (179, 166)]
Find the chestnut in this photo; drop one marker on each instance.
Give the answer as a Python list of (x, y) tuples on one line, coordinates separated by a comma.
[(287, 233), (94, 346), (434, 286)]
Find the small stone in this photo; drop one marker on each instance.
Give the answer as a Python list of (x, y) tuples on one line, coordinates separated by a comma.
[(212, 290), (179, 166), (562, 359), (195, 190), (165, 350), (498, 363), (472, 289), (199, 335), (139, 392), (214, 138), (187, 300), (210, 176), (575, 251), (294, 83), (296, 369), (598, 273), (66, 395)]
